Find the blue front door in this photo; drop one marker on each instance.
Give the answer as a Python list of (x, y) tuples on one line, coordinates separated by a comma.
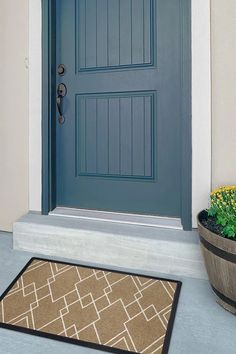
[(119, 148)]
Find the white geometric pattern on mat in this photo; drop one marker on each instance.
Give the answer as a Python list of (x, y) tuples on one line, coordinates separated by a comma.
[(110, 308)]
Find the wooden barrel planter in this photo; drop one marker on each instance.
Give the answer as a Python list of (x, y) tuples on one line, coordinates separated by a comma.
[(219, 254)]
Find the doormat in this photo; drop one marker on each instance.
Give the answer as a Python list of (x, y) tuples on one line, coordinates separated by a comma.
[(94, 307)]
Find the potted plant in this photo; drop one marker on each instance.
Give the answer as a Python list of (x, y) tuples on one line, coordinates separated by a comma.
[(217, 232)]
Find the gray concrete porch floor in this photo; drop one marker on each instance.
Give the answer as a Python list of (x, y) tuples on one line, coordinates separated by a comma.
[(201, 326)]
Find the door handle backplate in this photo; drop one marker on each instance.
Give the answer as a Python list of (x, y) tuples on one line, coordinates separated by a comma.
[(61, 93)]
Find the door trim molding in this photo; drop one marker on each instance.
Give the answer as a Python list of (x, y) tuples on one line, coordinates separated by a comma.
[(186, 114), (201, 107), (48, 108)]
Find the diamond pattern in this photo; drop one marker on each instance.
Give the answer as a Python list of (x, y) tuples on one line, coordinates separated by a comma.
[(122, 311)]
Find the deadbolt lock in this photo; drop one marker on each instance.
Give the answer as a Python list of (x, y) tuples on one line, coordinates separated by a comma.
[(61, 69)]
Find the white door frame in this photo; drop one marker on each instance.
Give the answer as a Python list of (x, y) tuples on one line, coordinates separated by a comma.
[(201, 105)]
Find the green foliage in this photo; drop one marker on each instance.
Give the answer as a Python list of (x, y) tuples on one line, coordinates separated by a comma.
[(223, 209)]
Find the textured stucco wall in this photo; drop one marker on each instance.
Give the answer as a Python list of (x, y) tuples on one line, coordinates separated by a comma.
[(13, 111), (223, 46)]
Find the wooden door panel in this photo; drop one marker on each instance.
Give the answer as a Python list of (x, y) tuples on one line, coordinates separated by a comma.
[(114, 34), (115, 135)]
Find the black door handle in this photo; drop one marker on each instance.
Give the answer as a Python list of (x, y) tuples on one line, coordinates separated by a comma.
[(61, 92)]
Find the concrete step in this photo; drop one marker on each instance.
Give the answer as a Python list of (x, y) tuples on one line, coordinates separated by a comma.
[(146, 248)]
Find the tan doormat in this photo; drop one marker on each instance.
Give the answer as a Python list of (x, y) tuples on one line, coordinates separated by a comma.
[(98, 308)]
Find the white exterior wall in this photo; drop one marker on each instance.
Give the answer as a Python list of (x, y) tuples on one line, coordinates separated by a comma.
[(223, 21), (14, 118)]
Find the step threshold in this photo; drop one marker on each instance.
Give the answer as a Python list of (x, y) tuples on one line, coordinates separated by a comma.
[(116, 217)]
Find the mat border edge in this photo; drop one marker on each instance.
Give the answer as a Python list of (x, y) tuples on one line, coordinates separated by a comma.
[(90, 344)]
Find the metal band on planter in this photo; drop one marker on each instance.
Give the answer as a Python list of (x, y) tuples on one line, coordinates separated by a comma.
[(218, 252), (223, 297)]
